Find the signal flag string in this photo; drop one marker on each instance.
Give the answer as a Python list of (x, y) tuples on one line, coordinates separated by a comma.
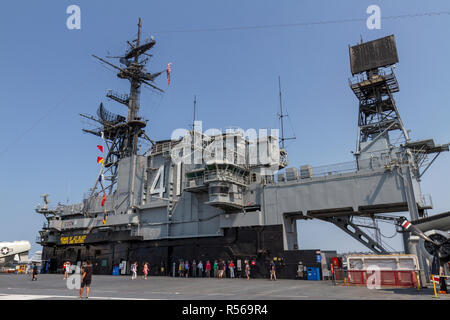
[(101, 177), (305, 24)]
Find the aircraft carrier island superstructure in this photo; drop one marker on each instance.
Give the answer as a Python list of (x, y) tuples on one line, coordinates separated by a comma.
[(200, 196)]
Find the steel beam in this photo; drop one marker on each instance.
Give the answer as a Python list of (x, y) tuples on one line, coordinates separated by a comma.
[(344, 223)]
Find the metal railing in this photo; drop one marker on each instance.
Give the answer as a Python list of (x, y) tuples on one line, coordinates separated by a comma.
[(332, 169), (71, 209), (350, 167), (225, 175), (354, 166), (115, 95), (164, 146), (386, 72)]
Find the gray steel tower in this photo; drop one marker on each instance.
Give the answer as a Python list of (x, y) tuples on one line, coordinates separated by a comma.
[(381, 132)]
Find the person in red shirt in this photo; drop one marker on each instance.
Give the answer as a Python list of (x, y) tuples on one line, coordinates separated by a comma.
[(231, 267), (146, 269), (65, 271), (208, 269)]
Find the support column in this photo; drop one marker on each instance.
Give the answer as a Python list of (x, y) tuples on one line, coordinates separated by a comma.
[(411, 245), (289, 233)]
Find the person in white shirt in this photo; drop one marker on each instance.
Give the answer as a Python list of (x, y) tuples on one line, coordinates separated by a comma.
[(200, 269), (134, 270)]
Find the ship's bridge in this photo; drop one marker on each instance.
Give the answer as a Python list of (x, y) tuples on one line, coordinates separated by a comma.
[(224, 182)]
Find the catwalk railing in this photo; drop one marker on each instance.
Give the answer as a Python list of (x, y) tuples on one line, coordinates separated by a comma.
[(373, 163)]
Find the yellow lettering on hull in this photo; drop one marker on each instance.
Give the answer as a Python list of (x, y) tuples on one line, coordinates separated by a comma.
[(72, 240)]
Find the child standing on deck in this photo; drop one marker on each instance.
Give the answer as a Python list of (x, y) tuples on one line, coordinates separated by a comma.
[(181, 268), (134, 270), (145, 270), (247, 269), (186, 268)]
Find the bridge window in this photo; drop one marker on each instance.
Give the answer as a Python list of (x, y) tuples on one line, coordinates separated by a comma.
[(218, 189)]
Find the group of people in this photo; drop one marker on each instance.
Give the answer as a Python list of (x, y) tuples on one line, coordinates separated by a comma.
[(134, 268), (217, 269), (185, 269), (194, 269), (86, 276)]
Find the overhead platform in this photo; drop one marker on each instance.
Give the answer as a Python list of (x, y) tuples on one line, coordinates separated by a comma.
[(378, 190), (362, 210), (427, 146)]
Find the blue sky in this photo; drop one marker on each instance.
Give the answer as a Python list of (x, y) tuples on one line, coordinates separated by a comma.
[(48, 77)]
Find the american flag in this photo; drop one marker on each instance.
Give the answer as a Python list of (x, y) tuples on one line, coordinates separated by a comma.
[(168, 73)]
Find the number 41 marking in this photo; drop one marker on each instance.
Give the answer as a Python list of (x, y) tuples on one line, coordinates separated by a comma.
[(159, 180)]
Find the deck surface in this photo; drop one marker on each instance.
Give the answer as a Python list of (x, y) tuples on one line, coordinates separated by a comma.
[(54, 287)]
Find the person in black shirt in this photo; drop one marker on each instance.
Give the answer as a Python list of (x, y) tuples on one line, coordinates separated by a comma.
[(86, 279), (221, 270), (34, 277)]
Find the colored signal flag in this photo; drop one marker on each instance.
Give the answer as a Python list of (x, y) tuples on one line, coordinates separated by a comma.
[(100, 148), (103, 200), (101, 178), (406, 224), (168, 73), (100, 160), (104, 218)]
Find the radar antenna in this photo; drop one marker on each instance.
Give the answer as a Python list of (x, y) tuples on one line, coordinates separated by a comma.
[(46, 201)]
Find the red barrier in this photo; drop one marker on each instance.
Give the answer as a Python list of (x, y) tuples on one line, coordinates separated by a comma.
[(384, 278)]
